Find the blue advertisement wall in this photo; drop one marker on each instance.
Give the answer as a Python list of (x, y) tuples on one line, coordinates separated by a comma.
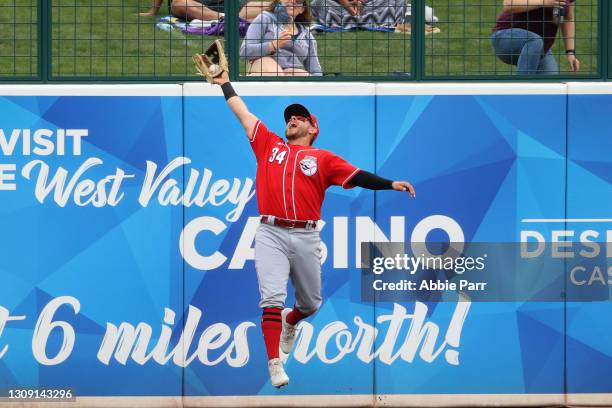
[(228, 292), (139, 268), (589, 205), (482, 162), (78, 246)]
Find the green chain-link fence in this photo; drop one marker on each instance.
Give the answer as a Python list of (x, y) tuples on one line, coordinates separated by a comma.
[(398, 40), (19, 35), (464, 46), (329, 40), (110, 40)]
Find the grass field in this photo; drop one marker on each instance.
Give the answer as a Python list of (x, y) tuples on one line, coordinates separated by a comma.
[(107, 39), (463, 46), (18, 37)]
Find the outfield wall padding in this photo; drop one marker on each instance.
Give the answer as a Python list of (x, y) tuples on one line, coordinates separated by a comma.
[(128, 214)]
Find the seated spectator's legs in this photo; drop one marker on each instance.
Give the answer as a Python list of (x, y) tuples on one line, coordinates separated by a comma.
[(519, 47), (383, 13), (295, 72), (331, 14), (266, 66), (252, 9), (374, 13), (192, 10), (548, 65)]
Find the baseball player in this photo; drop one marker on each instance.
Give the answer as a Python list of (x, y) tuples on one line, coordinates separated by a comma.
[(292, 177)]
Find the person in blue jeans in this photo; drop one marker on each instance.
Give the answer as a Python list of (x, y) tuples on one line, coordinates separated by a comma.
[(526, 30)]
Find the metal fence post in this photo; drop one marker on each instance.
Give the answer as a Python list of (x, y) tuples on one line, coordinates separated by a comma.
[(423, 52), (605, 31), (44, 40), (418, 39), (232, 38)]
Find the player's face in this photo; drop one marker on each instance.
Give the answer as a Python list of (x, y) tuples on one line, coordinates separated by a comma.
[(297, 127)]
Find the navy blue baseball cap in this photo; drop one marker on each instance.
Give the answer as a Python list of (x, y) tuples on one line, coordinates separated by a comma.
[(300, 110)]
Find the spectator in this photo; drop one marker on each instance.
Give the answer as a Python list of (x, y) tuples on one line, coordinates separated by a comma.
[(205, 10), (355, 14), (525, 33), (279, 42)]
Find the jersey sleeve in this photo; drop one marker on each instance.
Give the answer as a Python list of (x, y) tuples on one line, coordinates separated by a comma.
[(338, 171), (261, 139)]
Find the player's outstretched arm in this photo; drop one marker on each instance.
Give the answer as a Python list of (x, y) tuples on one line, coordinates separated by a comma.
[(371, 181), (404, 186), (236, 104)]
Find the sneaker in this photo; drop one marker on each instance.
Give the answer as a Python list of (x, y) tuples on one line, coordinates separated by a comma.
[(278, 377), (287, 337)]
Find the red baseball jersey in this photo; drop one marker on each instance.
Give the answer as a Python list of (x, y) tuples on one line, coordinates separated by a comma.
[(291, 180)]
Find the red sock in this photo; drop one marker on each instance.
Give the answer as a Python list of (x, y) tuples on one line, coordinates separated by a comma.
[(294, 316), (271, 327)]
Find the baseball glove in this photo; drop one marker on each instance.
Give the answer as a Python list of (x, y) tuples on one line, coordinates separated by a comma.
[(212, 63)]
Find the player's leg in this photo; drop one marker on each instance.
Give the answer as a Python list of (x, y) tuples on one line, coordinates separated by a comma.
[(305, 261), (272, 266), (266, 66), (306, 274)]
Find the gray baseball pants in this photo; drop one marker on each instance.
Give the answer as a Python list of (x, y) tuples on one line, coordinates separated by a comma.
[(283, 253)]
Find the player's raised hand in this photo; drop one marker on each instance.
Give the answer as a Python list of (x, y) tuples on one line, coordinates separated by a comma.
[(404, 186), (221, 79)]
